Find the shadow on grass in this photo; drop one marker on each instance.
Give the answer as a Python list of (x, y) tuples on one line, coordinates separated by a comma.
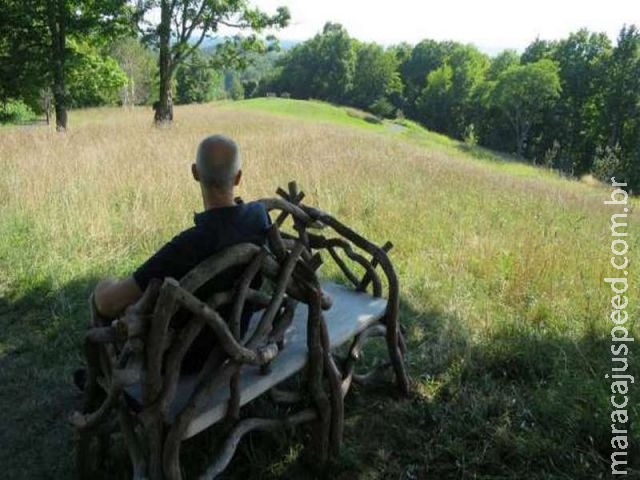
[(367, 117), (512, 404), (39, 349)]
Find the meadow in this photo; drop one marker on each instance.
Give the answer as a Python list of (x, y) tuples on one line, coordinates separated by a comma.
[(501, 267)]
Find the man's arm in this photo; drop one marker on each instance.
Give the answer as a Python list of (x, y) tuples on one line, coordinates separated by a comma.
[(113, 296), (174, 259)]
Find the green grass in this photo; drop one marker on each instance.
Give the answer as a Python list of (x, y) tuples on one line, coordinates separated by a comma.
[(315, 111), (500, 264)]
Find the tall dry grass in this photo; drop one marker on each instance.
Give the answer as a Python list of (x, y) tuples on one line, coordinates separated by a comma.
[(489, 262), (481, 241)]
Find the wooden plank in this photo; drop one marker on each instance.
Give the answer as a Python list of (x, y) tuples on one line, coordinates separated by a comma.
[(350, 313)]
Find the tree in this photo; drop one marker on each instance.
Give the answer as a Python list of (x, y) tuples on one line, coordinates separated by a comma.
[(335, 63), (522, 93), (484, 119), (376, 78), (92, 79), (581, 59), (621, 113), (260, 67), (322, 67), (294, 73), (624, 84), (502, 62), (197, 81), (469, 73), (233, 86), (138, 63), (23, 70), (538, 50), (447, 105), (427, 56), (402, 53), (77, 17), (434, 103), (38, 31), (491, 129), (184, 24)]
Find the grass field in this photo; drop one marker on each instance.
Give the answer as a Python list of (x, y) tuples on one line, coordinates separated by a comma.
[(501, 268)]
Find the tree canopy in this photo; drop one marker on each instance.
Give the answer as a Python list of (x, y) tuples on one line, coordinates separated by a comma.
[(523, 93), (35, 48)]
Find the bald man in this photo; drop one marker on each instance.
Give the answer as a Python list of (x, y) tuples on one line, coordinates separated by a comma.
[(222, 223)]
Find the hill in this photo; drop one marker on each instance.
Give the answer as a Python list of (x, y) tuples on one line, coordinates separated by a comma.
[(501, 268)]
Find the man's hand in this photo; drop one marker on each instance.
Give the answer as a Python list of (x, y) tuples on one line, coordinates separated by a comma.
[(113, 296)]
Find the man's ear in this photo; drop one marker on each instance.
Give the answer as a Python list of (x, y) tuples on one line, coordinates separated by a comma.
[(236, 181), (194, 172)]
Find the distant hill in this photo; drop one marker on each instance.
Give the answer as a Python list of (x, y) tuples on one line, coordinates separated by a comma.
[(285, 44)]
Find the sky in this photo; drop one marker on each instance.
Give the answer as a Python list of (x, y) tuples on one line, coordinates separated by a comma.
[(492, 25)]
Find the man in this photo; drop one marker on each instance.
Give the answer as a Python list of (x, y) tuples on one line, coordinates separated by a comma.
[(222, 223)]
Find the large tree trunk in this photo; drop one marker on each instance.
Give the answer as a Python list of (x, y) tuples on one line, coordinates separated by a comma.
[(57, 20), (164, 107), (60, 99)]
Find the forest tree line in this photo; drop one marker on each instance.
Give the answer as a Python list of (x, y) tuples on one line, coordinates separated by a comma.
[(571, 104)]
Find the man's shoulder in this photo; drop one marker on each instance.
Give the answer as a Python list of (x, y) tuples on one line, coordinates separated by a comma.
[(255, 210), (189, 236), (256, 205)]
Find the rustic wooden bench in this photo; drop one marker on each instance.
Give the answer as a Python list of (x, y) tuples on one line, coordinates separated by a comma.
[(134, 382)]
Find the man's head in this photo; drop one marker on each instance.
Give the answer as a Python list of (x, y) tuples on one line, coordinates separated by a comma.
[(217, 166)]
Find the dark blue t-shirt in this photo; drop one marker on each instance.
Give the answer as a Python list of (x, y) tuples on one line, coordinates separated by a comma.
[(214, 230)]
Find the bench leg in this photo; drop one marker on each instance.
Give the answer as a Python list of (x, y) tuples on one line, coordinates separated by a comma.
[(132, 442), (335, 390), (396, 348), (88, 458), (248, 425), (349, 375), (84, 467), (315, 374), (155, 446)]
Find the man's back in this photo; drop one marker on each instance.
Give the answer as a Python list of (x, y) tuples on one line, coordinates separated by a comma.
[(214, 230)]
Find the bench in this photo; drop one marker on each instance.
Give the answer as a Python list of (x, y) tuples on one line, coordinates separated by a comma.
[(298, 323)]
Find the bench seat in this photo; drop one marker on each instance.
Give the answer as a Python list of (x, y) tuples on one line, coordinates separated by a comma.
[(350, 314)]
